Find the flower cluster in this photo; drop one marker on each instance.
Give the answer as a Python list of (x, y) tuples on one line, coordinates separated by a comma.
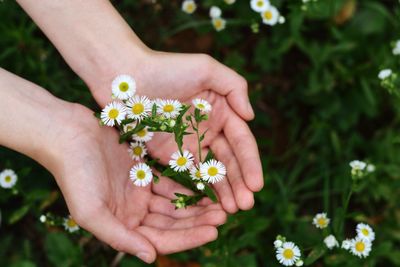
[(138, 117), (360, 169), (68, 222), (361, 245), (8, 178), (287, 253), (217, 21), (269, 13)]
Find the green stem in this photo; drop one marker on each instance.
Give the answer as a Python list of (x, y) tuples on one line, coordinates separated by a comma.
[(196, 129)]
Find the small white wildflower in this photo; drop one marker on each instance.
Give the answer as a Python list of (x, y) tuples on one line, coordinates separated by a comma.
[(138, 107), (200, 186), (288, 254), (321, 220), (278, 243), (123, 87), (70, 225), (143, 135), (259, 5), (384, 74), (331, 242), (42, 218), (195, 172), (113, 113), (137, 150), (141, 174), (358, 165), (396, 49), (202, 105), (281, 20), (270, 16), (299, 263), (346, 244), (189, 6), (360, 247), (371, 168), (8, 178), (213, 171), (129, 127), (365, 231), (215, 12), (168, 108), (218, 23), (179, 162)]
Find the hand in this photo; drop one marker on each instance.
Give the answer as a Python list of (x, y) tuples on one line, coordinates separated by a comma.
[(189, 76), (92, 171)]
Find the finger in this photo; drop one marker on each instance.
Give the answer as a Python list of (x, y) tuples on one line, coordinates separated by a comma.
[(167, 188), (110, 230), (227, 82), (212, 217), (243, 195), (164, 206), (245, 148), (171, 241)]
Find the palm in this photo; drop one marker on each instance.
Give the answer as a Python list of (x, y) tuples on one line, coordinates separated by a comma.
[(95, 184)]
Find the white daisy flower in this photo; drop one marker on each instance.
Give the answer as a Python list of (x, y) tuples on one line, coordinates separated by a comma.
[(143, 135), (200, 186), (278, 243), (358, 165), (299, 263), (259, 5), (230, 2), (396, 49), (346, 244), (138, 107), (141, 174), (169, 108), (123, 87), (195, 172), (129, 127), (288, 254), (8, 178), (202, 105), (270, 16), (371, 168), (213, 171), (181, 163), (113, 113), (189, 6), (215, 12), (42, 218), (384, 74), (321, 220), (365, 231), (137, 150), (70, 225), (331, 242), (218, 23), (360, 247)]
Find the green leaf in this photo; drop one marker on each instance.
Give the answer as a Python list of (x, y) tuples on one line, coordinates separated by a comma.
[(210, 193), (156, 179), (123, 138), (61, 251), (168, 172), (314, 255), (18, 214), (154, 110)]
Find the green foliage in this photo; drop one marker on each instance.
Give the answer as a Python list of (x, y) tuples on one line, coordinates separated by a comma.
[(318, 103)]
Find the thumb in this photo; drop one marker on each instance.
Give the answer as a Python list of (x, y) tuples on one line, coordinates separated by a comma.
[(106, 227), (229, 83)]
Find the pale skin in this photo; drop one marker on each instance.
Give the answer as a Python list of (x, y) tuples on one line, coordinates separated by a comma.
[(98, 45)]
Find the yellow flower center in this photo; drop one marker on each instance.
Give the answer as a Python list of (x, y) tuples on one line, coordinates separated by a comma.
[(198, 174), (138, 108), (168, 108), (218, 25), (360, 246), (212, 171), (267, 15), (200, 106), (260, 3), (113, 113), (123, 87), (142, 133), (288, 254), (71, 223), (137, 151), (140, 174), (128, 128), (181, 161), (190, 7), (8, 179), (365, 232), (321, 222)]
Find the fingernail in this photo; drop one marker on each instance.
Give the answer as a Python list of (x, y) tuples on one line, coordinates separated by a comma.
[(250, 109), (144, 257)]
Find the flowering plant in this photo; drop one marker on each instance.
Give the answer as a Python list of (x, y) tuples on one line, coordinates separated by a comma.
[(138, 118)]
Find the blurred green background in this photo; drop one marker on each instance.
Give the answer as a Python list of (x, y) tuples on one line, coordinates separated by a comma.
[(313, 83)]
